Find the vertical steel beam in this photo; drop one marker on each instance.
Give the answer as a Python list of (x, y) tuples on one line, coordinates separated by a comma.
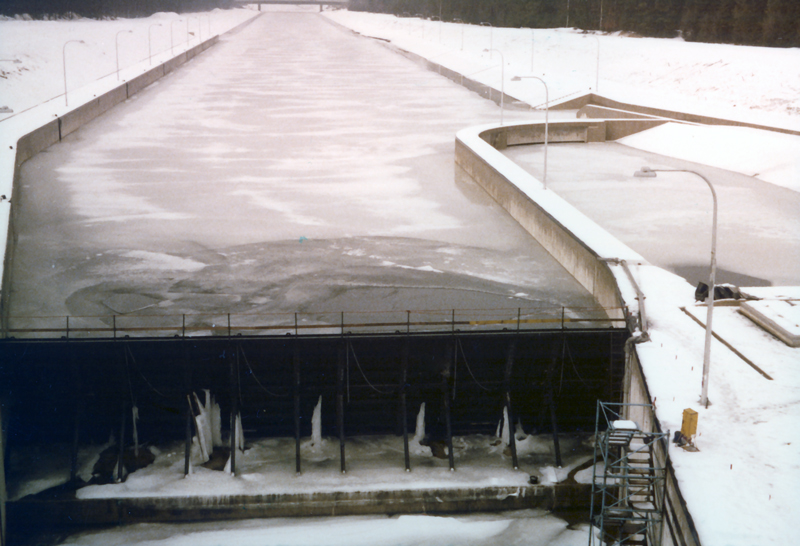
[(187, 387), (403, 406), (78, 394), (446, 373), (124, 398), (122, 439), (342, 347), (550, 398), (296, 385), (234, 387), (512, 440)]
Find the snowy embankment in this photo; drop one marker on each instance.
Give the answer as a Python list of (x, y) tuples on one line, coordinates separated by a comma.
[(740, 83)]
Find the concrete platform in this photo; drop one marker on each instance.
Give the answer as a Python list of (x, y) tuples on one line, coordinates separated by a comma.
[(62, 509)]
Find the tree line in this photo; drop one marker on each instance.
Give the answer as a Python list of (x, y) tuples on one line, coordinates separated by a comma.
[(96, 9), (746, 22)]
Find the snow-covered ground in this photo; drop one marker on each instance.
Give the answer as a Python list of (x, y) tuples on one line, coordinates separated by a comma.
[(32, 53), (749, 84), (741, 487)]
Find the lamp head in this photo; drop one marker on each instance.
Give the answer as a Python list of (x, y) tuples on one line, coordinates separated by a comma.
[(645, 172), (516, 79)]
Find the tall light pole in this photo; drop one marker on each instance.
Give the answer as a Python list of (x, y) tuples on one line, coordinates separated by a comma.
[(546, 118), (171, 40), (491, 36), (116, 47), (647, 172), (533, 44), (150, 42), (64, 62), (502, 81), (597, 67), (440, 21), (462, 25)]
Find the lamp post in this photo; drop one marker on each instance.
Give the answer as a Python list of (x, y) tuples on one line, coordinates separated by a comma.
[(462, 25), (150, 42), (171, 40), (64, 62), (533, 45), (116, 47), (502, 80), (440, 21), (647, 172), (491, 37), (546, 118), (597, 66)]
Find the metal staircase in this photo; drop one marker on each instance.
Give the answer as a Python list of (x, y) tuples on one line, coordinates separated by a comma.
[(628, 492)]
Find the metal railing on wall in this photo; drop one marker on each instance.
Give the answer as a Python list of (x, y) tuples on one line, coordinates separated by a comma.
[(313, 323)]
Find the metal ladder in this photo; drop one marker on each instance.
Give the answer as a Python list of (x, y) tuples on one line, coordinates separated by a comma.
[(628, 493)]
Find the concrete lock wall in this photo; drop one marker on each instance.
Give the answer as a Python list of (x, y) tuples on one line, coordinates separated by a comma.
[(510, 187), (678, 528), (578, 259)]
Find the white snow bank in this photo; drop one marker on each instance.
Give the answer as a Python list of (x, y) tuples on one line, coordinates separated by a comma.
[(770, 156)]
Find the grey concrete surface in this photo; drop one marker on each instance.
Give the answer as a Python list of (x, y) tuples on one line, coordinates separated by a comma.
[(293, 167), (668, 219)]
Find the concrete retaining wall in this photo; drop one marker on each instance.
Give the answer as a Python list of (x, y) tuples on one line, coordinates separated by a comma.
[(118, 511), (591, 99), (140, 82), (679, 528), (586, 255), (492, 171)]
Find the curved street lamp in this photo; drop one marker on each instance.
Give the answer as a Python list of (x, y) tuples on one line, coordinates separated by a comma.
[(597, 66), (546, 118), (116, 47), (150, 42), (647, 172), (64, 62), (171, 39), (491, 37), (502, 80)]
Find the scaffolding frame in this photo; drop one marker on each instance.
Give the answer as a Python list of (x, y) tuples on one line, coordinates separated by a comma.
[(628, 495)]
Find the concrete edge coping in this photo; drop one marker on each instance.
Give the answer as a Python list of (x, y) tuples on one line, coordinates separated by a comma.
[(597, 240), (70, 512)]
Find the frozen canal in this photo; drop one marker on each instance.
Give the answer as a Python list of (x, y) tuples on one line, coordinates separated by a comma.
[(292, 167), (668, 219)]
